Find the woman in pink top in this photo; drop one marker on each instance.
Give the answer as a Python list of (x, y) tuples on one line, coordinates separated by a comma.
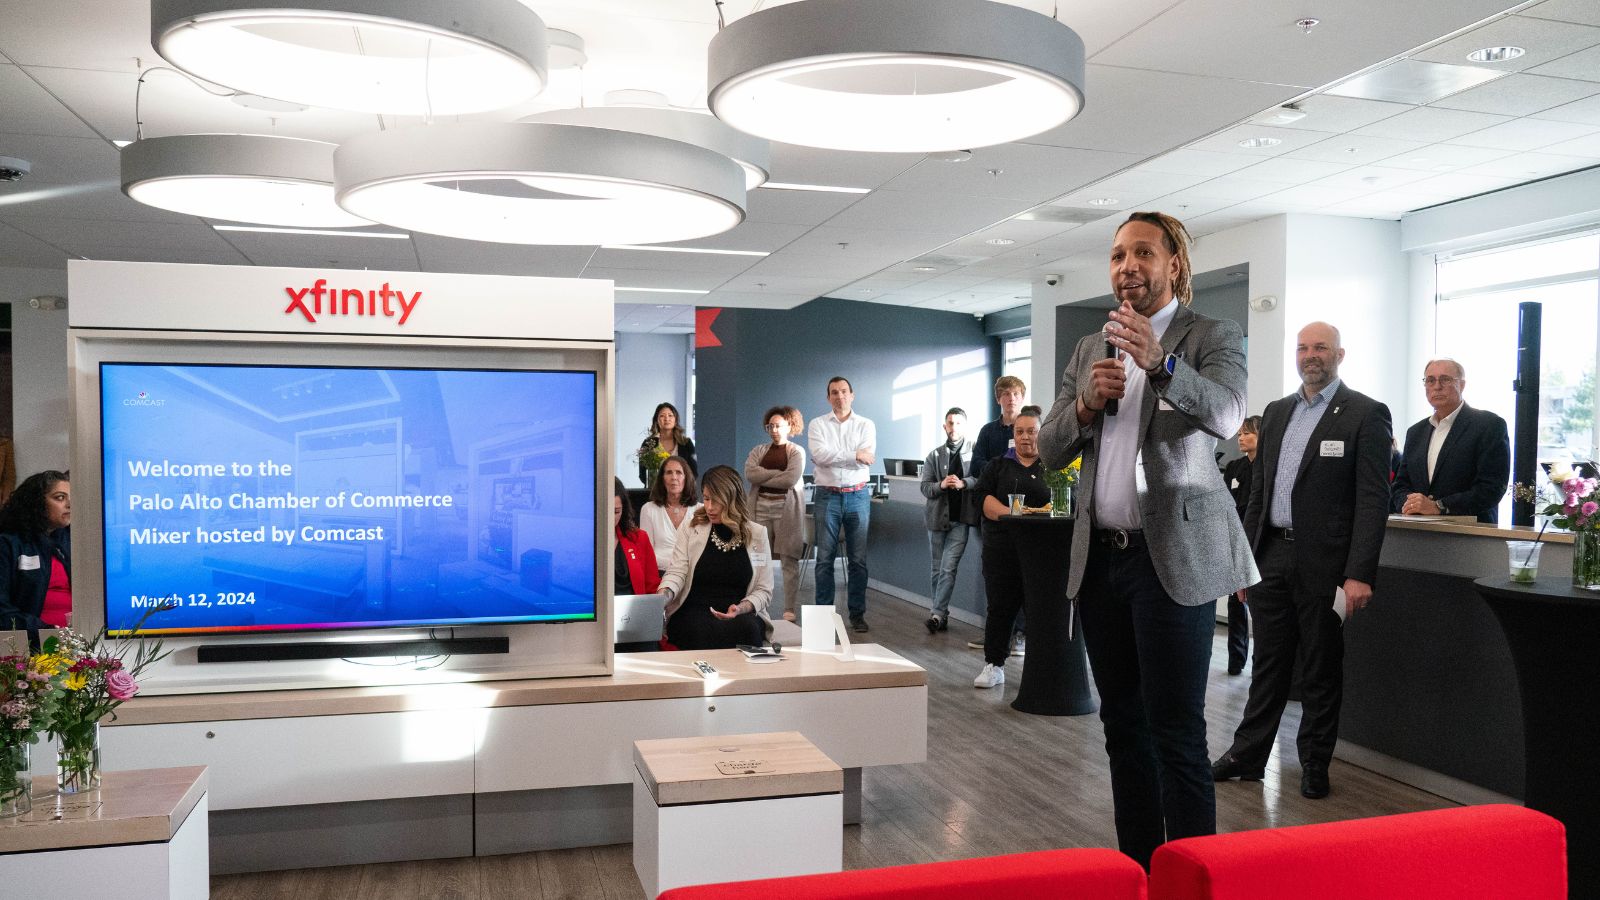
[(36, 550)]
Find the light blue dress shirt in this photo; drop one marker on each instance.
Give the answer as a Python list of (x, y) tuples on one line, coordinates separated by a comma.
[(1303, 420)]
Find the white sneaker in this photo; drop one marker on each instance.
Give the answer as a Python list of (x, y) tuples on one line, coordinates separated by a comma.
[(1019, 645), (991, 676)]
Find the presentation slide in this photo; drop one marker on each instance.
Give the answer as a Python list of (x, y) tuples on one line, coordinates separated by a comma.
[(286, 498)]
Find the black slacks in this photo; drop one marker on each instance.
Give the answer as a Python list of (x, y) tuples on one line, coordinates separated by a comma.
[(1291, 615)]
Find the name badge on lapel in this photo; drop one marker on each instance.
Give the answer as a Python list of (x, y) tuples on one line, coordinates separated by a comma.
[(1333, 448)]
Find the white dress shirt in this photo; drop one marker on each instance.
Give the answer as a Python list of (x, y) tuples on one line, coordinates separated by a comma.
[(833, 449), (1116, 493), (654, 520), (1441, 430)]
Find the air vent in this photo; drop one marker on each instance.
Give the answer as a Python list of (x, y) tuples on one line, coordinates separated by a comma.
[(1414, 81)]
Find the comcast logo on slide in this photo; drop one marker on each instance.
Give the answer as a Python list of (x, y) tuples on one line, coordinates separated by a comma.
[(143, 399)]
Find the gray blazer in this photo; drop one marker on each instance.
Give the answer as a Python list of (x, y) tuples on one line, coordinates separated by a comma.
[(1190, 523), (937, 515)]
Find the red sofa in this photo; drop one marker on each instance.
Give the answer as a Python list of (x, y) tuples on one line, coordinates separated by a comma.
[(1498, 852), (1092, 874)]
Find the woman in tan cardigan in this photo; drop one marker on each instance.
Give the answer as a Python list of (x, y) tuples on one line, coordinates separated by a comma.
[(718, 583), (777, 499)]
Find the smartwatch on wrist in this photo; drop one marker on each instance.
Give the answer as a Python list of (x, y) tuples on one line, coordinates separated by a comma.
[(1165, 368)]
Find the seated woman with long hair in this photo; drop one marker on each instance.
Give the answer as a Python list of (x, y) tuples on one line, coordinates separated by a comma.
[(673, 499), (718, 582), (634, 569), (36, 550)]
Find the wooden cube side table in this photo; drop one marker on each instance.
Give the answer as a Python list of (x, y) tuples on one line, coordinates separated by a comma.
[(734, 807)]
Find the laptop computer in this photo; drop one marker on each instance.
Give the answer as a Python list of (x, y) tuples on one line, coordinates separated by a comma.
[(639, 618)]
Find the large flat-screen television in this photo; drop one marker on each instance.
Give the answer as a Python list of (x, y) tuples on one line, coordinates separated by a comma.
[(266, 498)]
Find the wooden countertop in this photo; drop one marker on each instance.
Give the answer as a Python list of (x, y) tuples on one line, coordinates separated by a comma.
[(135, 807), (638, 676), (752, 766), (1471, 526)]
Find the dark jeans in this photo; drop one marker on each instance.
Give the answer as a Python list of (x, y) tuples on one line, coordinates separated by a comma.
[(1002, 587), (1150, 658), (1238, 633), (1291, 615), (842, 515)]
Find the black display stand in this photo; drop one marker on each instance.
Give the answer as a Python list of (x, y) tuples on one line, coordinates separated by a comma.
[(270, 652), (1055, 670), (1554, 633)]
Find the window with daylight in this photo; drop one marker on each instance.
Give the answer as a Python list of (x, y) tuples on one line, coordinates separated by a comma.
[(1018, 358)]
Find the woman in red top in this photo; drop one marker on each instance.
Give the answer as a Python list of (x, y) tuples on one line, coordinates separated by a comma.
[(36, 551), (634, 561)]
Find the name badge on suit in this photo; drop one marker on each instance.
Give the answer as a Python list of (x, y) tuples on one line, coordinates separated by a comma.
[(1333, 448)]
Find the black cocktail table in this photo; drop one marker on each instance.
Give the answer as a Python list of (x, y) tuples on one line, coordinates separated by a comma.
[(1055, 670)]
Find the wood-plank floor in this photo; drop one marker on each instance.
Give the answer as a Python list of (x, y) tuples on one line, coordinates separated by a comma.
[(996, 781)]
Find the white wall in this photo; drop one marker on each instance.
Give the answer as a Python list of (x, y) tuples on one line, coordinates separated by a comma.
[(651, 368), (39, 419)]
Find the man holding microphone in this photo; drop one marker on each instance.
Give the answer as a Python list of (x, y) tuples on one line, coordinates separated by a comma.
[(1157, 538)]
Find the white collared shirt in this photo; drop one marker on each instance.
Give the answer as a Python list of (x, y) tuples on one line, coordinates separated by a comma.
[(833, 447), (1116, 493), (1441, 430)]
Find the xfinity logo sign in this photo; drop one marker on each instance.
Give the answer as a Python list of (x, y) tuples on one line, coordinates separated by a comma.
[(321, 300)]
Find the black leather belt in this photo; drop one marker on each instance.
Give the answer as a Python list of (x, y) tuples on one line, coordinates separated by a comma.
[(1120, 538), (1282, 534)]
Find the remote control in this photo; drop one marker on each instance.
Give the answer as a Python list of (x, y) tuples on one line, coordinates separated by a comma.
[(704, 668)]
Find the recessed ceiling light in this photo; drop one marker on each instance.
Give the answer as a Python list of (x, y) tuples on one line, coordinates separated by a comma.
[(321, 232), (1257, 143), (420, 59), (842, 75), (925, 269), (1000, 242), (1104, 201), (823, 188), (685, 250), (1495, 54)]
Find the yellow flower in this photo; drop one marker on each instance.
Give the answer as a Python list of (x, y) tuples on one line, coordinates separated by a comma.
[(1076, 464), (50, 663), (75, 681)]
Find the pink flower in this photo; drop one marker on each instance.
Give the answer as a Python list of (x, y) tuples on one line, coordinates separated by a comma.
[(120, 685), (1590, 508)]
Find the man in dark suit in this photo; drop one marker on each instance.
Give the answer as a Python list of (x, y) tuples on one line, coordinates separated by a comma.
[(1318, 508), (1457, 461), (1157, 540)]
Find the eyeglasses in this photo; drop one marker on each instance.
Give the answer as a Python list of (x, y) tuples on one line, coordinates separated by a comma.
[(1440, 380)]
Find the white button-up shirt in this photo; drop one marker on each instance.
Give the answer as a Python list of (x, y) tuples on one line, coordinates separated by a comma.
[(833, 445), (1441, 430), (1116, 493)]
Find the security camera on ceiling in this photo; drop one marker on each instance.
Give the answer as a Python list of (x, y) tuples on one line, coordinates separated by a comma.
[(13, 169), (1052, 280)]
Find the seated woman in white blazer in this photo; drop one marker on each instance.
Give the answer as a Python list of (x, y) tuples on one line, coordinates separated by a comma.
[(718, 582)]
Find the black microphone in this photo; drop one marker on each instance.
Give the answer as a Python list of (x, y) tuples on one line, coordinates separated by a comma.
[(1111, 353)]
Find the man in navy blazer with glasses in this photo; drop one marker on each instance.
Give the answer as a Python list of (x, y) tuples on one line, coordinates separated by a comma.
[(1457, 462)]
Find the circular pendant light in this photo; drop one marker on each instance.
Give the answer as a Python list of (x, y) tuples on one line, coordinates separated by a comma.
[(406, 57), (238, 177), (905, 76), (753, 154), (538, 183)]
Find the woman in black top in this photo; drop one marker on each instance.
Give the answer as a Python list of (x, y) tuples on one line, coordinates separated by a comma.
[(667, 437), (36, 551), (718, 583), (1237, 474), (1002, 569)]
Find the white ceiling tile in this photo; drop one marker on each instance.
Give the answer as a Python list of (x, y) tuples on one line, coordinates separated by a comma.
[(657, 278), (1227, 141), (1413, 81), (1525, 134), (75, 233), (1020, 232), (1520, 95), (1191, 106), (1430, 123), (1336, 115), (1314, 196), (59, 160), (1542, 39), (1585, 112), (1585, 146), (1186, 38), (23, 250), (1186, 204), (1013, 171), (1437, 158), (1355, 149), (928, 210), (80, 34), (1523, 166), (1581, 11), (266, 249), (795, 207), (775, 283), (1584, 65), (1292, 171), (1196, 162), (1371, 178), (29, 109), (220, 255), (756, 299), (675, 262), (443, 254), (1455, 185), (748, 235), (810, 165), (833, 268)]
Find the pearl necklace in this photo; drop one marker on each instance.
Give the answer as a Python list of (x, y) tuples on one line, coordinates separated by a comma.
[(724, 546)]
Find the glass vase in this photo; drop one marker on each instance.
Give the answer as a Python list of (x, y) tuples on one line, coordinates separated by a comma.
[(1060, 501), (78, 760), (16, 780), (1586, 560)]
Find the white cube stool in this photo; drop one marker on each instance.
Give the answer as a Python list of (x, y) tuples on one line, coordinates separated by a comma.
[(734, 807)]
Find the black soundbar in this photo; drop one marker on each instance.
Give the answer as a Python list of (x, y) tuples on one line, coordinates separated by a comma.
[(252, 652)]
